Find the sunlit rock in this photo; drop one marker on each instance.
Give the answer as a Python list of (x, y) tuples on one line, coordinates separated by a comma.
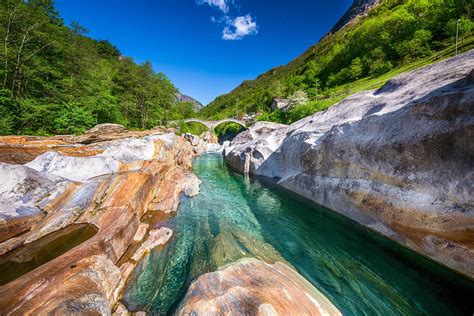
[(253, 287), (155, 238), (22, 192), (107, 128), (110, 184), (396, 159)]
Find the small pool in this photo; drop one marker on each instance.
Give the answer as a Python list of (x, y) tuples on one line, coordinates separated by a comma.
[(22, 260)]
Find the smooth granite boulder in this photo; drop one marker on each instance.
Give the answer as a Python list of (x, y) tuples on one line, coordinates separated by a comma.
[(253, 287), (399, 160)]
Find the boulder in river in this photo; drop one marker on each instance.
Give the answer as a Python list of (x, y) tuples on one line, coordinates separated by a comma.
[(253, 287)]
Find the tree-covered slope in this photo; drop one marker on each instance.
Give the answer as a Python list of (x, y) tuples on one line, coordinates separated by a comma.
[(394, 36), (54, 79)]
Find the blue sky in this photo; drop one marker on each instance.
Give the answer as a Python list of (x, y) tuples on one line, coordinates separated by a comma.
[(207, 47)]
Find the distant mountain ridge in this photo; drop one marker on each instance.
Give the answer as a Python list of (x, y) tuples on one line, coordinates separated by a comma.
[(185, 98), (372, 41), (358, 8)]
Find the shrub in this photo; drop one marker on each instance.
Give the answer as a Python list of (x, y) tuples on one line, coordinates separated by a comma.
[(73, 119)]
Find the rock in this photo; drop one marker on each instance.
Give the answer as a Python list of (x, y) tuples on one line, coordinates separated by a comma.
[(141, 231), (253, 287), (23, 193), (209, 137), (110, 185), (250, 149), (359, 8), (398, 160), (191, 184), (54, 163), (107, 128), (120, 310), (155, 238), (198, 144)]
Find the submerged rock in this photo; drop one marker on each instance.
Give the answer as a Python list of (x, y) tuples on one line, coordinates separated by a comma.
[(399, 160), (253, 287)]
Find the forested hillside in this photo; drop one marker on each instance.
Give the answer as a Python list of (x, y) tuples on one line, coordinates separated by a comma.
[(54, 79), (395, 36)]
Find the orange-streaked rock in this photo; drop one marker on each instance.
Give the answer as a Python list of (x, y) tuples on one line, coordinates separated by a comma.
[(253, 287), (88, 279)]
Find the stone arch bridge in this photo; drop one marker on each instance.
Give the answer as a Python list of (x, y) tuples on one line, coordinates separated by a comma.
[(213, 124)]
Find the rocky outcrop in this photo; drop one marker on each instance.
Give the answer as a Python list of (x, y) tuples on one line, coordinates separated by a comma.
[(112, 184), (185, 98), (22, 193), (253, 287), (399, 160), (358, 8), (107, 128)]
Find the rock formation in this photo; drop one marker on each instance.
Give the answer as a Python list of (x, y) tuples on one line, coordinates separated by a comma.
[(357, 9), (111, 184), (253, 287), (399, 160)]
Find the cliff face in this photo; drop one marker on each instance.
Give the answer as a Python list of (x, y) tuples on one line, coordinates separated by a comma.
[(109, 186), (398, 160), (358, 8), (185, 98)]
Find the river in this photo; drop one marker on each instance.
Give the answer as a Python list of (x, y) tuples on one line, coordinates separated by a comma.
[(234, 217)]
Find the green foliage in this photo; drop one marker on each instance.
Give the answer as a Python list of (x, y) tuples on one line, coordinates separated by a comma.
[(55, 79), (228, 129), (182, 110), (192, 128), (73, 119), (297, 98), (395, 36)]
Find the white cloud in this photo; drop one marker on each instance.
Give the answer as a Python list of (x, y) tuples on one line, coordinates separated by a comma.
[(221, 4), (239, 27)]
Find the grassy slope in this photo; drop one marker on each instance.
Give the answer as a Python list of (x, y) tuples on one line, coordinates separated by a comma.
[(341, 92), (225, 105)]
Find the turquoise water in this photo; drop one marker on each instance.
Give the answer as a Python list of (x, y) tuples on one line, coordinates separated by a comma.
[(235, 217)]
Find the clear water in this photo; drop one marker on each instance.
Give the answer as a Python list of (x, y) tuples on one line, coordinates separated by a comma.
[(28, 257), (235, 217)]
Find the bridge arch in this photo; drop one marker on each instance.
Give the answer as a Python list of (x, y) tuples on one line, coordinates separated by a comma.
[(213, 124)]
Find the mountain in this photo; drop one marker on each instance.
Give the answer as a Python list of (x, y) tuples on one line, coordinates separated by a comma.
[(372, 42), (185, 98), (358, 8)]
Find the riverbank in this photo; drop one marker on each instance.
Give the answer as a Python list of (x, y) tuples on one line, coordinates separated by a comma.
[(232, 238), (113, 181), (397, 160), (82, 215)]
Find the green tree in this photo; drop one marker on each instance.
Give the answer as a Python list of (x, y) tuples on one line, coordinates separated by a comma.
[(73, 119)]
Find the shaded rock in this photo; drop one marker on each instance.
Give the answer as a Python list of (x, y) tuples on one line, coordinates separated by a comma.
[(253, 287), (398, 160)]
